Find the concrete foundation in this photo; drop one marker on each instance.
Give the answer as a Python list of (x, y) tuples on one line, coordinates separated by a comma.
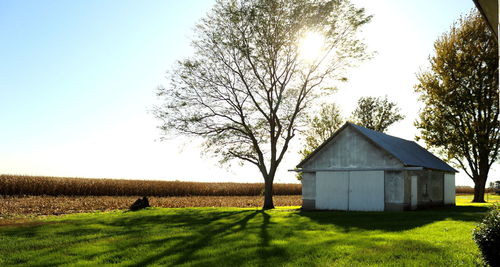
[(308, 204), (396, 207)]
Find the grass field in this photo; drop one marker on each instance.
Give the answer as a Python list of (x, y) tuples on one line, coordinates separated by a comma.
[(245, 237), (466, 200)]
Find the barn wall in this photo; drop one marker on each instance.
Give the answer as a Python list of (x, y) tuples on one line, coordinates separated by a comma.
[(407, 194), (436, 187), (433, 188), (430, 187), (449, 189), (308, 190), (350, 149), (396, 191)]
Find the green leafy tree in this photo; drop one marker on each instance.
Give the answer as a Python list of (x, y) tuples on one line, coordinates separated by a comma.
[(460, 93), (376, 113), (321, 127), (250, 81)]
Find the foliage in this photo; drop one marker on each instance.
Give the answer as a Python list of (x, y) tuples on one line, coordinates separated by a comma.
[(321, 127), (57, 186), (246, 88), (487, 236), (460, 93), (376, 113), (245, 237), (495, 185)]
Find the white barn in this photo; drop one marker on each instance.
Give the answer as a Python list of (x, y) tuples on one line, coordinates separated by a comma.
[(364, 170)]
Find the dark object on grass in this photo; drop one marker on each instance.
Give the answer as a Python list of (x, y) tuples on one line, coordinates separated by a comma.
[(487, 236), (140, 203)]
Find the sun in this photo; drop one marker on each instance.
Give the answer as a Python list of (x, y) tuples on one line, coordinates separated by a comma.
[(311, 46)]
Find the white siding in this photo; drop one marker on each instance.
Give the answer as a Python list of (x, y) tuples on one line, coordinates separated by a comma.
[(366, 190), (350, 149), (449, 188), (332, 190)]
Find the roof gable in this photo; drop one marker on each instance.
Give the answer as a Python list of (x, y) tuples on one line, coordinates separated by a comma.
[(408, 152)]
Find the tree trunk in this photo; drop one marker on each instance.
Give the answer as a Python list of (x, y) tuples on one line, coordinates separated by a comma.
[(479, 185), (268, 194), (482, 176)]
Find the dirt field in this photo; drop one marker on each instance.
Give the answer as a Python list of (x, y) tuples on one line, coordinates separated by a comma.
[(48, 205)]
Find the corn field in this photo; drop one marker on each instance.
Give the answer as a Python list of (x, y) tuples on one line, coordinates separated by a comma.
[(470, 190), (18, 185)]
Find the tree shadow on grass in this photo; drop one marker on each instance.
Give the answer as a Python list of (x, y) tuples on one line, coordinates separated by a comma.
[(394, 221), (368, 250), (118, 235), (187, 247), (214, 233), (212, 237)]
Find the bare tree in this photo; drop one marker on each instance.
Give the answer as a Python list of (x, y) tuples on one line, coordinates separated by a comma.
[(256, 69)]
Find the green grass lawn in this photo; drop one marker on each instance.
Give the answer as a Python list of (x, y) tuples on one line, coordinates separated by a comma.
[(246, 237), (465, 200)]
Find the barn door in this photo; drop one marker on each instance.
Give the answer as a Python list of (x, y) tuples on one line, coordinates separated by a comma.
[(366, 190), (331, 190)]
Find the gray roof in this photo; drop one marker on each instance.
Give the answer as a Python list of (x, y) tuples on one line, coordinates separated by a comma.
[(408, 152)]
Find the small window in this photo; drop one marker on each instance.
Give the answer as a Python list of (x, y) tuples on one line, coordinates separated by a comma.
[(425, 192)]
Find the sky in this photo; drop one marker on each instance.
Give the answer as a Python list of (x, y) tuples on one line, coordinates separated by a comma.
[(78, 82)]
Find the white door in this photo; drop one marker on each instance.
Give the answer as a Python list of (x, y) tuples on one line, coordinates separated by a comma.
[(366, 190), (331, 190), (414, 192)]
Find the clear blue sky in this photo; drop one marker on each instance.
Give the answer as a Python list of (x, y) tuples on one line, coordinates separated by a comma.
[(77, 79), (70, 67)]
